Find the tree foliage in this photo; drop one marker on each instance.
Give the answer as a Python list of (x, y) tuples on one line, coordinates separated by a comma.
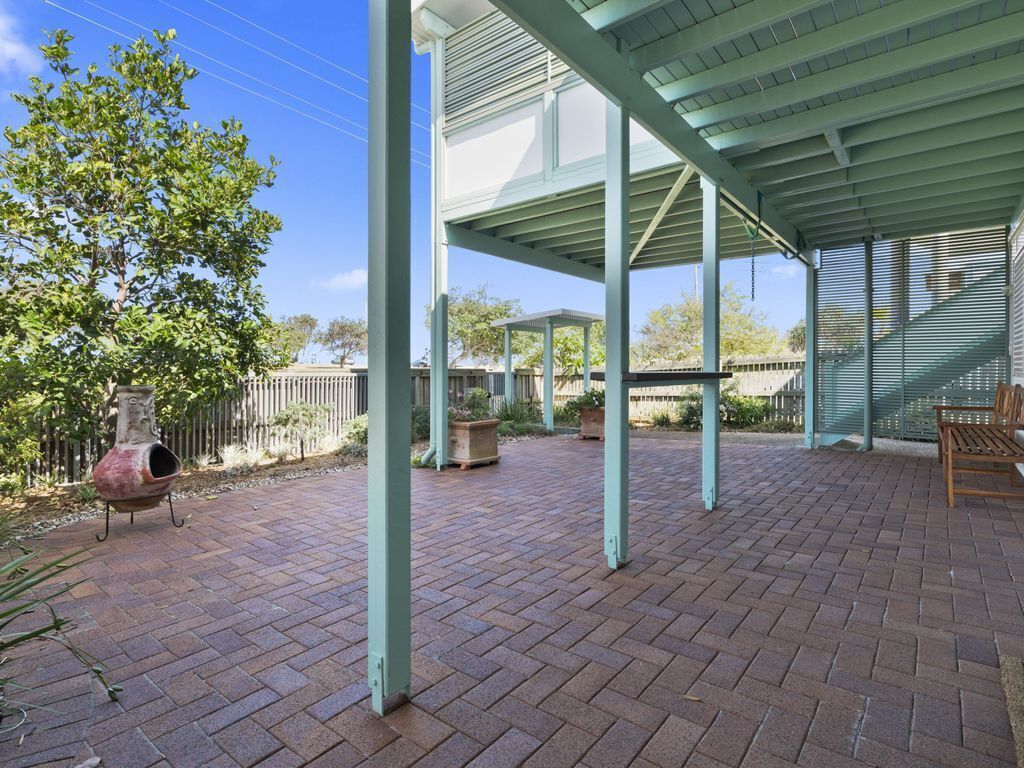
[(129, 243), (304, 422), (796, 337), (344, 338), (672, 333), (296, 334), (567, 349), (471, 338)]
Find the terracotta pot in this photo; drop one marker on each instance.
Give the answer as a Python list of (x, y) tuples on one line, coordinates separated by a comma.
[(138, 471), (592, 423), (473, 442)]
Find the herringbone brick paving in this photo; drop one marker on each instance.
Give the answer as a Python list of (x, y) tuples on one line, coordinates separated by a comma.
[(832, 612)]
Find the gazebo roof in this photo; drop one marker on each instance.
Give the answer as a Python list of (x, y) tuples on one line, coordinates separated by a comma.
[(537, 321)]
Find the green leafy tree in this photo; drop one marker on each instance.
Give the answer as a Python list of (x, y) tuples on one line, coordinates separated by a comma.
[(344, 338), (295, 335), (796, 337), (567, 349), (303, 422), (471, 338), (672, 333), (129, 243)]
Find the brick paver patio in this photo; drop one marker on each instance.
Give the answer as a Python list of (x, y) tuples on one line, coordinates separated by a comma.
[(830, 613)]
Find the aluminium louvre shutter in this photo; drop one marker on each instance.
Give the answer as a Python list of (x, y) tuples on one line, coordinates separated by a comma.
[(940, 330)]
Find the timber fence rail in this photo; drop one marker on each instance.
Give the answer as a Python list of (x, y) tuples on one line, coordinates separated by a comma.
[(245, 418)]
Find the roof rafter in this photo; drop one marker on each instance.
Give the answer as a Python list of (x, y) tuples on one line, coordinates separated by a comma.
[(719, 29), (859, 29), (562, 31), (990, 75), (460, 237), (989, 34), (612, 13)]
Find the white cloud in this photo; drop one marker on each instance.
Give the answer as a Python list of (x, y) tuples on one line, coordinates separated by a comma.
[(352, 280), (17, 57), (785, 270)]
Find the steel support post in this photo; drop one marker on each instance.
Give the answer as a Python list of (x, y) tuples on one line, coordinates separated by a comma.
[(549, 375), (810, 354), (586, 358), (712, 279), (869, 347), (438, 266), (510, 381), (616, 272), (388, 520)]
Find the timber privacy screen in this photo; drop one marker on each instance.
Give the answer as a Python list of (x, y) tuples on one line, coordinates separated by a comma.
[(939, 319)]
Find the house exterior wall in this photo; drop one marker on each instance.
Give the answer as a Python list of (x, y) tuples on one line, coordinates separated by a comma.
[(518, 125)]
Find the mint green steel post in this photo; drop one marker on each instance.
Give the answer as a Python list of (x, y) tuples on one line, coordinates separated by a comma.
[(869, 347), (388, 541), (510, 382), (586, 358), (711, 427), (616, 286), (810, 355), (549, 375), (438, 266)]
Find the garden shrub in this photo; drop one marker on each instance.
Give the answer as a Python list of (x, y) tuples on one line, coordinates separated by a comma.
[(519, 412), (734, 410), (591, 399), (661, 419), (475, 405), (566, 416), (303, 421), (356, 430), (420, 422)]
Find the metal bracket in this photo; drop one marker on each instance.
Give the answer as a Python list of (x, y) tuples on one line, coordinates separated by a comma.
[(611, 549), (376, 674)]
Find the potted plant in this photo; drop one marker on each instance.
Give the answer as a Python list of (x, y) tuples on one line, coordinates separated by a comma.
[(472, 432), (591, 409)]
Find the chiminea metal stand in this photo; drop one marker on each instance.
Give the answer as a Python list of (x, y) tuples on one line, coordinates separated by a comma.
[(106, 525)]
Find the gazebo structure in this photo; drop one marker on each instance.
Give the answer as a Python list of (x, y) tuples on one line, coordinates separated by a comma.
[(597, 137), (546, 323)]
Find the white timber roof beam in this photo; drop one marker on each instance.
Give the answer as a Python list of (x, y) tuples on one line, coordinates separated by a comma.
[(561, 29)]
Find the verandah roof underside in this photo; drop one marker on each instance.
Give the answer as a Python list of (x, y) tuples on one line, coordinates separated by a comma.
[(853, 118)]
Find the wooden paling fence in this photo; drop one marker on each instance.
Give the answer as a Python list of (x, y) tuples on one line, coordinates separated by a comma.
[(244, 419)]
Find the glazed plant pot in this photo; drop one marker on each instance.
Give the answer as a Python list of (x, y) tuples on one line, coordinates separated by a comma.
[(592, 423), (138, 472), (473, 442)]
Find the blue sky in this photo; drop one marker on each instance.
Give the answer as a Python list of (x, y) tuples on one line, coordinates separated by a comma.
[(317, 263)]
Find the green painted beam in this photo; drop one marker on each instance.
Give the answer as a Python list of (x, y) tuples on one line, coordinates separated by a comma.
[(559, 28), (734, 235), (719, 29), (828, 199), (931, 139), (995, 196), (616, 412), (481, 243), (880, 218), (695, 256), (845, 34), (389, 549), (711, 423), (947, 87), (794, 151), (612, 13), (964, 42), (994, 149), (916, 227), (969, 114)]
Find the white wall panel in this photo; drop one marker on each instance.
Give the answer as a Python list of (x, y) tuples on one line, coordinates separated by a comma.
[(496, 151)]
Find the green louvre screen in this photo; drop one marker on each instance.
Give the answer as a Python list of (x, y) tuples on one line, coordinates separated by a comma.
[(939, 331)]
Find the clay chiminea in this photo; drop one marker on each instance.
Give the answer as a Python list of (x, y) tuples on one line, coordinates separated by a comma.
[(138, 471)]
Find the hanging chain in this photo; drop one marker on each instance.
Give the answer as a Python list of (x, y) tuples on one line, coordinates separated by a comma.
[(751, 271), (752, 233)]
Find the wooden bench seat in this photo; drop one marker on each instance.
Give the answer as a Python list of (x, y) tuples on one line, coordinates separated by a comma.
[(990, 445)]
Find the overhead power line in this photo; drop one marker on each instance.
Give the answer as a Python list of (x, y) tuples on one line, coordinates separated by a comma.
[(273, 55), (232, 83)]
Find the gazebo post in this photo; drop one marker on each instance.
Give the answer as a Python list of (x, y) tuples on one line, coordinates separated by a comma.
[(616, 281), (438, 267), (549, 375), (586, 357), (710, 424), (389, 552), (510, 382)]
